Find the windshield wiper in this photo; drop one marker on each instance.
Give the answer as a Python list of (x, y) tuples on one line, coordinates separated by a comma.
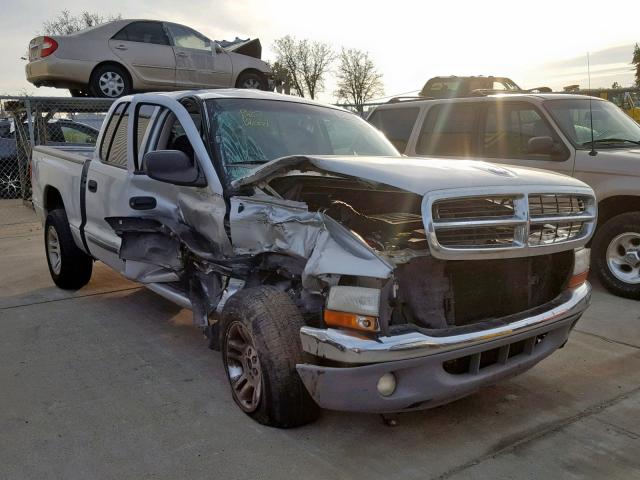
[(611, 140)]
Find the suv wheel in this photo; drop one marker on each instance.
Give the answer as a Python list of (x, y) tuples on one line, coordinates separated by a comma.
[(616, 254), (260, 349), (110, 81)]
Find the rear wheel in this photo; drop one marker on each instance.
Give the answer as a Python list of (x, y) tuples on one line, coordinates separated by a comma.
[(70, 267), (260, 349), (616, 254), (110, 81), (250, 80)]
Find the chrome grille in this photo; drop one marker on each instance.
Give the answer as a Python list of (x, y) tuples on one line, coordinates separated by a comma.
[(474, 226)]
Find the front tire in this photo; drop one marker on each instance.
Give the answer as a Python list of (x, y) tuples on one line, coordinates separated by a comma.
[(70, 267), (110, 81), (616, 255), (260, 349)]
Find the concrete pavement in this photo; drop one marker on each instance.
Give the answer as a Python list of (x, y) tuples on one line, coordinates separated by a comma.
[(112, 381)]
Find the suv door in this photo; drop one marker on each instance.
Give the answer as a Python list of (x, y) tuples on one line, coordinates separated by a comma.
[(144, 48), (197, 62), (506, 130)]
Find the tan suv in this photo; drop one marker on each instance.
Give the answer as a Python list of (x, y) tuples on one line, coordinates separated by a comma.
[(123, 56), (547, 131)]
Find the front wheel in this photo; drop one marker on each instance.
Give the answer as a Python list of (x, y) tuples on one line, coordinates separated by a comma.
[(260, 349), (616, 254), (70, 267)]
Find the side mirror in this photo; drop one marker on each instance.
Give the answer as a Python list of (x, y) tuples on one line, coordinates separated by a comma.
[(217, 48), (173, 166), (541, 145)]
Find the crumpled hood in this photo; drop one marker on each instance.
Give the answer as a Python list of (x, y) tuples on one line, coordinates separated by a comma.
[(417, 175)]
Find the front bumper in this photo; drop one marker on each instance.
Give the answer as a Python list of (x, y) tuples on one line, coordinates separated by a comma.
[(418, 360)]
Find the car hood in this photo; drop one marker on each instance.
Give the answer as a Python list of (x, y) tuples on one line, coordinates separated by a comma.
[(417, 175), (610, 161)]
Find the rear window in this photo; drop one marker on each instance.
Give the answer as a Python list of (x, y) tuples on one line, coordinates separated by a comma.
[(396, 124), (144, 32), (113, 149), (448, 130)]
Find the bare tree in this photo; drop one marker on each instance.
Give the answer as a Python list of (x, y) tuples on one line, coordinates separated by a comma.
[(358, 79), (306, 63), (65, 23), (315, 60), (288, 58)]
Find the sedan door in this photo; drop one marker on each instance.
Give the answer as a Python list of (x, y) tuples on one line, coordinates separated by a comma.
[(144, 48), (198, 64)]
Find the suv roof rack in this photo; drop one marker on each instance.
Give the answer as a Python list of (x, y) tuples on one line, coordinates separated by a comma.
[(408, 99)]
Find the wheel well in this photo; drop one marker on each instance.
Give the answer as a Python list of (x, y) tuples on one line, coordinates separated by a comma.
[(612, 206), (111, 62), (52, 200), (249, 70)]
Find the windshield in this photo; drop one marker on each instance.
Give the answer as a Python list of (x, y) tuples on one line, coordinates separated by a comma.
[(250, 132), (612, 128)]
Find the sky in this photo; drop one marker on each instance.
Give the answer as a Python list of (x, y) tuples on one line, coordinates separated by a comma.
[(541, 43)]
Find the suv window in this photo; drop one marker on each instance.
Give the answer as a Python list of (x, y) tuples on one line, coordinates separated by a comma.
[(396, 124), (448, 130), (144, 32), (113, 149), (508, 128), (184, 37)]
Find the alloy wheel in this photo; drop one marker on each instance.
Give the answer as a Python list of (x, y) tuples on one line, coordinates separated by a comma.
[(623, 257), (243, 367), (53, 250)]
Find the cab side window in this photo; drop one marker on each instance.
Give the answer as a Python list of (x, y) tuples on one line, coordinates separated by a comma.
[(449, 130), (113, 149), (508, 127), (396, 124)]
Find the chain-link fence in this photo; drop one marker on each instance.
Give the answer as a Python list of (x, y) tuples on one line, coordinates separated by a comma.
[(29, 121)]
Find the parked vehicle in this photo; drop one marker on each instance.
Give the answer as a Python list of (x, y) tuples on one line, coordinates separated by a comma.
[(460, 87), (329, 270), (58, 132), (116, 58), (549, 131)]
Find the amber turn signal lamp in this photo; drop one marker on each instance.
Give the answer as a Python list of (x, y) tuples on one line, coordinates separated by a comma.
[(578, 279), (350, 320)]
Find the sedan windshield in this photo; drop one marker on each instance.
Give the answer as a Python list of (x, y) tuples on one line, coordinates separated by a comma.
[(250, 132), (612, 128)]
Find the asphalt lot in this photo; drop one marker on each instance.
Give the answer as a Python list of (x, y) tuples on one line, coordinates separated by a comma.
[(112, 381)]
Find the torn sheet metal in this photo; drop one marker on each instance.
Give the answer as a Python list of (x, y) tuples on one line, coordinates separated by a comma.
[(205, 214), (263, 224)]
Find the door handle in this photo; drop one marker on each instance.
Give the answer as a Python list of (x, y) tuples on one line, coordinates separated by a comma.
[(142, 203), (120, 47), (92, 185), (182, 54)]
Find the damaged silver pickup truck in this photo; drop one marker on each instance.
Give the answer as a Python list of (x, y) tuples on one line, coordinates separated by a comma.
[(329, 270)]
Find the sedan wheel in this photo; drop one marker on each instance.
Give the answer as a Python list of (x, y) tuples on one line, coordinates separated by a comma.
[(252, 83), (111, 84), (9, 186)]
